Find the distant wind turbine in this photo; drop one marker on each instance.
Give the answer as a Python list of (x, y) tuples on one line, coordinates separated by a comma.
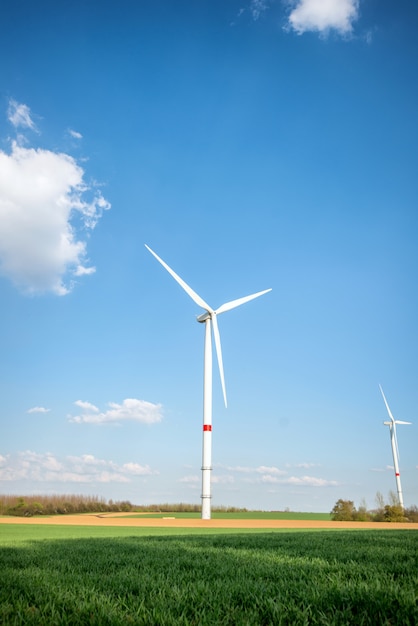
[(395, 449), (209, 318)]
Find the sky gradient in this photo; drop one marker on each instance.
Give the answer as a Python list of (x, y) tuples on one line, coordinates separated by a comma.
[(252, 145)]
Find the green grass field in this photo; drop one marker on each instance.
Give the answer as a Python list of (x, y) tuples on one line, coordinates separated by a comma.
[(70, 575)]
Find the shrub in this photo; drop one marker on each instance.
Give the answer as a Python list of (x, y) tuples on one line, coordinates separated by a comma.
[(362, 515), (394, 513)]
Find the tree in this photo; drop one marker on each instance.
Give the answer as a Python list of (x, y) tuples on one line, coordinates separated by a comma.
[(343, 511), (380, 500), (412, 513), (393, 498), (379, 514)]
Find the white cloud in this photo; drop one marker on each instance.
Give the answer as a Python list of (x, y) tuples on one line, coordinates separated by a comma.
[(38, 409), (46, 213), (261, 469), (131, 409), (311, 481), (37, 467), (40, 194), (266, 474), (257, 7), (75, 134), (84, 271), (241, 469), (224, 479), (86, 406), (191, 480), (268, 478), (323, 15), (137, 470), (19, 115), (270, 470)]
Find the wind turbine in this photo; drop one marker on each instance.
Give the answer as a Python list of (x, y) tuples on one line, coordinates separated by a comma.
[(395, 449), (209, 318)]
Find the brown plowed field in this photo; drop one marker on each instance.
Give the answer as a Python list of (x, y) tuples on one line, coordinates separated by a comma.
[(172, 522)]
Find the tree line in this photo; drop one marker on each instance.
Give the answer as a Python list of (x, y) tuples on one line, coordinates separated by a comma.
[(391, 511), (27, 506)]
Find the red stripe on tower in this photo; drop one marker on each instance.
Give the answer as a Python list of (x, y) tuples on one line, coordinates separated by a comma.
[(207, 427), (397, 474)]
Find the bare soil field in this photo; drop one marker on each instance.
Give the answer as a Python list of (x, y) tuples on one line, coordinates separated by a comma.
[(115, 519)]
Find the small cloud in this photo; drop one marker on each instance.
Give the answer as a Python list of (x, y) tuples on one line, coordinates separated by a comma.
[(86, 406), (270, 470), (84, 271), (137, 470), (368, 37), (46, 467), (240, 469), (38, 409), (268, 478), (268, 474), (224, 479), (74, 134), (191, 480), (311, 481), (19, 115), (131, 409), (257, 7), (323, 15)]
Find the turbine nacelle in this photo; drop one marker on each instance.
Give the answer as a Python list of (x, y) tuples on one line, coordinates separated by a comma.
[(205, 316)]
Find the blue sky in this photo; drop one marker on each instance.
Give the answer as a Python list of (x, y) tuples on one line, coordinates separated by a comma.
[(252, 145)]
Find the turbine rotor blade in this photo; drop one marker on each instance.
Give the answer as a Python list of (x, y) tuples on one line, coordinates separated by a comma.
[(217, 338), (194, 296), (402, 422), (387, 406), (234, 303)]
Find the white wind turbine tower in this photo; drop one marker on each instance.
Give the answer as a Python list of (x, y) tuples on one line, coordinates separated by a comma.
[(209, 318), (395, 449)]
